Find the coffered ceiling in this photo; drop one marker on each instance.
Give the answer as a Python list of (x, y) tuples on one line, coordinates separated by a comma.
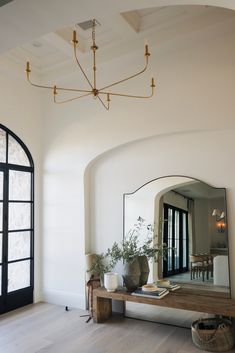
[(25, 20), (118, 34)]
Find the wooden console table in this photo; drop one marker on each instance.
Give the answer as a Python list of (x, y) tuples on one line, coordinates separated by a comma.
[(179, 299)]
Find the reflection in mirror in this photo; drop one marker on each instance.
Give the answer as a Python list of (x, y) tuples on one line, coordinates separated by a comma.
[(190, 217)]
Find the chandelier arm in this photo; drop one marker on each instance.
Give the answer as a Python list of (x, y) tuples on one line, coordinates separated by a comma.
[(128, 78), (70, 99), (128, 95), (80, 67), (104, 105), (38, 86), (73, 90), (58, 88)]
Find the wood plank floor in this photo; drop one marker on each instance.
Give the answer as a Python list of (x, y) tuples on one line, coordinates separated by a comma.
[(46, 328), (177, 317)]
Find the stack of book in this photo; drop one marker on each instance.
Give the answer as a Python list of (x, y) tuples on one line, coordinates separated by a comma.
[(159, 293), (169, 286)]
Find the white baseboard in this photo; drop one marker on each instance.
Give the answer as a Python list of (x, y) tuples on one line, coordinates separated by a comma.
[(74, 300)]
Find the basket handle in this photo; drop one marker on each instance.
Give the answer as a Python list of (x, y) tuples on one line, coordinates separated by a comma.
[(211, 338)]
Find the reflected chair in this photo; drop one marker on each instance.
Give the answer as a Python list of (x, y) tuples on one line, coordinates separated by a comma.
[(199, 266), (193, 266), (210, 267)]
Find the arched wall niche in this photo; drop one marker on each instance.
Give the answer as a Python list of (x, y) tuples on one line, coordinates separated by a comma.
[(126, 168)]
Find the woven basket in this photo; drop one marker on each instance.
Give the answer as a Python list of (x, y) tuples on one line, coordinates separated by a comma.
[(213, 334)]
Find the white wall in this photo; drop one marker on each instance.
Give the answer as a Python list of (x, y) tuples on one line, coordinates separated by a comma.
[(192, 120), (203, 236), (20, 111), (145, 201), (176, 200)]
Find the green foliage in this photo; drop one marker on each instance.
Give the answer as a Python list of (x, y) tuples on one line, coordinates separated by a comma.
[(127, 251), (130, 247), (100, 266)]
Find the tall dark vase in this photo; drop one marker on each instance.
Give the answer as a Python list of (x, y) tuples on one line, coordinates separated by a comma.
[(131, 275), (144, 270)]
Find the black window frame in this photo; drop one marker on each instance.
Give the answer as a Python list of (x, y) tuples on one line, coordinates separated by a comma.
[(20, 297), (181, 269)]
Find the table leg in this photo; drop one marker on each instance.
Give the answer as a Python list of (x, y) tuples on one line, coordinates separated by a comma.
[(102, 309)]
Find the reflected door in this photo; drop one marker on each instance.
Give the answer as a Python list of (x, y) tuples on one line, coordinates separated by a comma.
[(175, 235), (16, 228)]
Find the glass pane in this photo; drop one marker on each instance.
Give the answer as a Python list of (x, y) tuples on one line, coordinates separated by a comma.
[(1, 211), (170, 223), (18, 275), (19, 216), (2, 146), (0, 247), (184, 226), (177, 254), (184, 253), (169, 260), (1, 185), (18, 245), (19, 185), (177, 224), (16, 154), (170, 239), (0, 280)]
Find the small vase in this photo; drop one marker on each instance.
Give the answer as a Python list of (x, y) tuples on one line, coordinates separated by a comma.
[(131, 275), (102, 280), (111, 281), (144, 270)]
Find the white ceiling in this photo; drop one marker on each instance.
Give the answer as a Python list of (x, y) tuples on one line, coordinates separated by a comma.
[(117, 34), (200, 190), (24, 20)]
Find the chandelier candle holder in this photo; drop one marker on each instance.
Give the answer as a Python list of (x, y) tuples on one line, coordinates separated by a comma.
[(103, 94)]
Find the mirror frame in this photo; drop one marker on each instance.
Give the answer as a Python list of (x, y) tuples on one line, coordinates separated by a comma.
[(196, 179)]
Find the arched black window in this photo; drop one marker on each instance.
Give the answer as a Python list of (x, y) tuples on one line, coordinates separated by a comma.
[(16, 222)]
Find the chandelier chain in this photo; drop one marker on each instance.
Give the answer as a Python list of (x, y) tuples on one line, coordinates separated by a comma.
[(93, 32)]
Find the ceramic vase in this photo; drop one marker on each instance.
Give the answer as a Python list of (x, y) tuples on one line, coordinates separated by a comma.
[(144, 270), (131, 275), (111, 281)]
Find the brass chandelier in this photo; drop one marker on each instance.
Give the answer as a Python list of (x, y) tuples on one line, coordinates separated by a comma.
[(103, 94)]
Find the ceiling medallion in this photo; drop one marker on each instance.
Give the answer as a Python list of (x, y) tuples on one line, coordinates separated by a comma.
[(103, 94)]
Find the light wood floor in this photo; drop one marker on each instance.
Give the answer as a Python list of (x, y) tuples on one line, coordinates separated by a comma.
[(177, 317), (46, 328)]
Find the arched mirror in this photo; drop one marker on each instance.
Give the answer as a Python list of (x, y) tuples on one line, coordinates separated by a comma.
[(190, 217)]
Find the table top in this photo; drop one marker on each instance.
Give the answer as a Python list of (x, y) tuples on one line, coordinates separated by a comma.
[(186, 299)]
